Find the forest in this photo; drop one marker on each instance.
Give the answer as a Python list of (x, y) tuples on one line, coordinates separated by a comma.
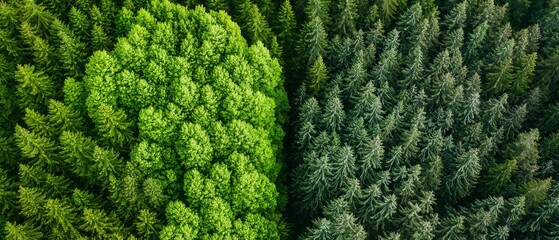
[(279, 119)]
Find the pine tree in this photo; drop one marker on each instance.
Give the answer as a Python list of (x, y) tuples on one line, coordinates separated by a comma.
[(32, 201), (384, 212), (412, 136), (343, 166), (499, 176), (514, 120), (147, 224), (535, 191), (99, 38), (388, 9), (413, 71), (306, 132), (71, 50), (8, 194), (43, 56), (60, 217), (333, 115), (525, 151), (410, 25), (494, 111), (320, 230), (474, 45), (99, 224), (345, 24), (345, 226), (463, 174), (524, 73), (451, 228), (77, 151), (107, 164), (16, 231), (313, 40), (79, 22), (370, 160), (218, 5), (368, 106), (286, 27), (314, 181), (37, 122), (62, 118), (40, 149), (388, 66), (318, 9), (457, 17), (355, 77), (356, 133), (34, 88), (113, 125), (317, 75)]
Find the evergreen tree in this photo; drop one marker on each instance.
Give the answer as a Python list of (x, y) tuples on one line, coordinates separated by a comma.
[(113, 125), (317, 75), (313, 41), (34, 89), (463, 174), (371, 155), (286, 28), (314, 181), (345, 24), (333, 115), (41, 150), (20, 232), (343, 166)]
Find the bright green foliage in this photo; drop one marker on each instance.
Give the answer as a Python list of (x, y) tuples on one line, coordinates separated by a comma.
[(198, 96), (22, 232), (41, 150), (34, 88)]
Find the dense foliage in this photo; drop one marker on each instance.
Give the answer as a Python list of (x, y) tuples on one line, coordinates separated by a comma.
[(175, 133), (164, 119), (424, 125)]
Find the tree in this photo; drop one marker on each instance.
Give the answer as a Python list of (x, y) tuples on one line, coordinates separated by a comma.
[(99, 224), (451, 228), (499, 176), (524, 73), (147, 224), (370, 159), (71, 50), (34, 88), (40, 149), (314, 182), (343, 166), (388, 9), (345, 26), (463, 174), (16, 231), (368, 106), (317, 75), (61, 218), (333, 115), (535, 191), (113, 125), (286, 26), (414, 69), (320, 230), (313, 41)]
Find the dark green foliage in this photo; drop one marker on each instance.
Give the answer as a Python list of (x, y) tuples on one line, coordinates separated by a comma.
[(441, 129)]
